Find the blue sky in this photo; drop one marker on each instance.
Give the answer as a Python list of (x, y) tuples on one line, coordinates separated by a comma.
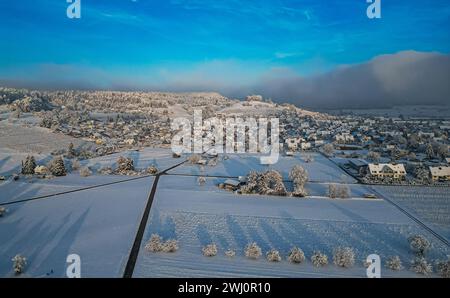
[(145, 43)]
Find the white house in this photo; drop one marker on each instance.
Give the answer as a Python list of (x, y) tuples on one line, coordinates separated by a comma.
[(440, 173), (387, 170)]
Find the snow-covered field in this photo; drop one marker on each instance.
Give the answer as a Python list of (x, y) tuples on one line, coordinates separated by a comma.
[(429, 204), (99, 225), (320, 169), (200, 215)]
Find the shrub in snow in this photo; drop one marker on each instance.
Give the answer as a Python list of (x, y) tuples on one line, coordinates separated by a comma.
[(443, 268), (296, 255), (319, 259), (29, 165), (19, 263), (85, 172), (419, 244), (2, 211), (106, 171), (420, 265), (344, 257), (75, 165), (71, 151), (253, 251), (194, 158), (299, 177), (154, 244), (210, 250), (152, 170), (201, 181), (124, 164), (170, 245), (273, 255), (230, 253), (338, 191), (394, 263), (57, 167), (41, 170)]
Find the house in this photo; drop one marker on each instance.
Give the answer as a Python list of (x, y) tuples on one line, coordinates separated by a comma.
[(358, 164), (231, 184), (344, 138), (387, 170), (440, 173)]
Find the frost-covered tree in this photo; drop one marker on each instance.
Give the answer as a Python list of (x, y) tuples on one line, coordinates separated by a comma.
[(85, 172), (328, 149), (29, 165), (344, 257), (154, 244), (253, 251), (429, 151), (76, 165), (443, 268), (338, 191), (420, 265), (296, 255), (124, 164), (299, 177), (230, 253), (170, 246), (19, 263), (394, 263), (71, 151), (273, 255), (210, 250), (373, 156), (268, 183), (419, 244), (201, 181), (57, 167), (152, 170), (319, 259)]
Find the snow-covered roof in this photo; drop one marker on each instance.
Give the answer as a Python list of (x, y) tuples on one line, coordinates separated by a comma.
[(440, 171), (232, 182), (385, 167)]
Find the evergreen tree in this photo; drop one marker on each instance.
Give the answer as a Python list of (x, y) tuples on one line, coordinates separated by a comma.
[(57, 167), (29, 165)]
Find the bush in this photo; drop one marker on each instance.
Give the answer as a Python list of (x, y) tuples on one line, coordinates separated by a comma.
[(296, 255), (319, 259), (419, 244), (201, 181), (444, 268), (273, 255), (253, 251), (29, 165), (338, 191), (106, 171), (85, 172), (152, 170), (394, 263), (124, 164), (57, 167), (210, 250), (170, 246), (19, 263), (230, 253), (420, 265), (76, 165), (344, 257), (154, 244)]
